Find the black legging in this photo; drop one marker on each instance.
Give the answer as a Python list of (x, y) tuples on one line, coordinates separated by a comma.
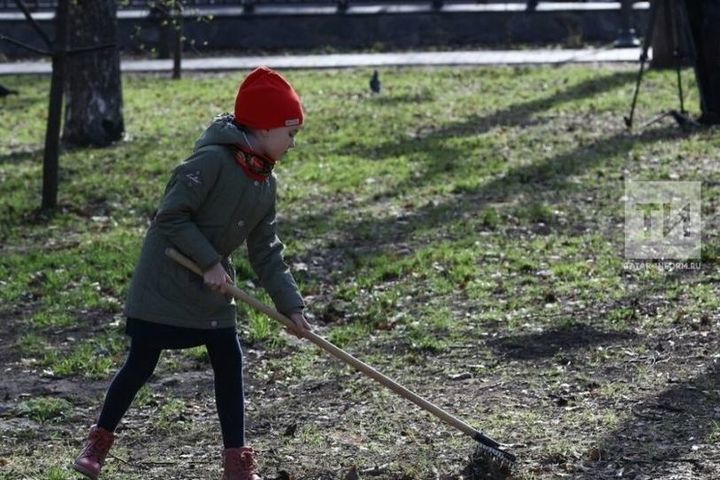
[(226, 359)]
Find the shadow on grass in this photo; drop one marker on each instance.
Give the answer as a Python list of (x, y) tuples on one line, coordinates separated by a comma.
[(559, 339), (533, 181), (421, 97), (658, 438), (515, 115), (579, 335), (438, 159), (15, 158), (18, 105), (84, 196)]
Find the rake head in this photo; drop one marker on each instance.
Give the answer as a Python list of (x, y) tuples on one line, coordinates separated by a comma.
[(491, 448), (489, 461)]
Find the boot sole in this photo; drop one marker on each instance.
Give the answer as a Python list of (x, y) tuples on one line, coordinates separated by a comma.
[(82, 470)]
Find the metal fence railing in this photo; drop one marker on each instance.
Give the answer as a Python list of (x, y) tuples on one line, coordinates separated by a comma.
[(45, 5), (122, 4), (35, 5)]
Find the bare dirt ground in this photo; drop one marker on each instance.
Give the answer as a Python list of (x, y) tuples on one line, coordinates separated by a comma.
[(544, 392)]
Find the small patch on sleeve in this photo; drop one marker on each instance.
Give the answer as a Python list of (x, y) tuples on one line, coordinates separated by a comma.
[(193, 179)]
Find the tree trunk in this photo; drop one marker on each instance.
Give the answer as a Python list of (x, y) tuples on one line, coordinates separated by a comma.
[(93, 110), (669, 42), (704, 18), (662, 48), (51, 153), (178, 42)]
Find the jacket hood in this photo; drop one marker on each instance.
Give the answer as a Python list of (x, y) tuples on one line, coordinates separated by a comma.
[(222, 131)]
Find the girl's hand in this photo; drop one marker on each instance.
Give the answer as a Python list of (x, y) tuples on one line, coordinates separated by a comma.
[(217, 278), (301, 325)]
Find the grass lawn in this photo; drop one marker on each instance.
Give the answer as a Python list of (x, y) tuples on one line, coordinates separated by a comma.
[(463, 232)]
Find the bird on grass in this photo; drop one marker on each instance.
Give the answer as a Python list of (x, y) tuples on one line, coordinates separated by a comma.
[(375, 84), (684, 121), (681, 118), (4, 91)]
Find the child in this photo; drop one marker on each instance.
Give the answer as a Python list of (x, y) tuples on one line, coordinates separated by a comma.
[(221, 196)]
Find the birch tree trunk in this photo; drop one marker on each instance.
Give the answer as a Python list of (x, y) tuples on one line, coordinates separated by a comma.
[(93, 108)]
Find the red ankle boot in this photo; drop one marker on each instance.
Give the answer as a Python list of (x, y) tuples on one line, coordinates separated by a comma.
[(92, 457), (240, 464)]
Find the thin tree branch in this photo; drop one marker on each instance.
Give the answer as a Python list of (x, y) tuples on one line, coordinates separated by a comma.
[(25, 46), (35, 25), (76, 51)]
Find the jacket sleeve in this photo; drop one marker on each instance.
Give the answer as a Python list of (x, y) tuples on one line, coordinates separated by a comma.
[(187, 190), (265, 251)]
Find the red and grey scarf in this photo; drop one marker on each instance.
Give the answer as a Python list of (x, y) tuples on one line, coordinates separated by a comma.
[(257, 167)]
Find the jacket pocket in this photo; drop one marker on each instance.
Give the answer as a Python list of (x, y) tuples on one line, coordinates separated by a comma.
[(234, 235), (183, 287)]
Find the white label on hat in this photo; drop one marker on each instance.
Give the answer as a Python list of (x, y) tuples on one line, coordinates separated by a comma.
[(290, 123)]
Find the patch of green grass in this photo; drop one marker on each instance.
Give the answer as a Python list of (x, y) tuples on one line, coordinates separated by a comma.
[(425, 342), (261, 327), (90, 358), (344, 335), (170, 416), (57, 473), (536, 213), (714, 433), (264, 329), (255, 326), (299, 364), (311, 435), (199, 354), (144, 397), (490, 218), (32, 344), (383, 268), (570, 271), (54, 318), (619, 317), (43, 409), (431, 332)]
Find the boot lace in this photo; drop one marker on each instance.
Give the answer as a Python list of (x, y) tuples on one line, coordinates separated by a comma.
[(97, 446), (245, 462)]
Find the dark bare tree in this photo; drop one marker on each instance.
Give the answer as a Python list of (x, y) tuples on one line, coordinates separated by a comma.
[(686, 33), (669, 45), (167, 17), (58, 51), (704, 19), (93, 105)]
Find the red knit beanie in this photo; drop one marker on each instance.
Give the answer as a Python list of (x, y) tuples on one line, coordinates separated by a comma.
[(266, 100)]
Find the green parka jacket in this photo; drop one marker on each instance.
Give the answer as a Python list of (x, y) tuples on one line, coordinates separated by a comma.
[(210, 207)]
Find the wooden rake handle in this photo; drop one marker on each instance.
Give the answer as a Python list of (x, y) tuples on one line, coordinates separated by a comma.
[(341, 354)]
